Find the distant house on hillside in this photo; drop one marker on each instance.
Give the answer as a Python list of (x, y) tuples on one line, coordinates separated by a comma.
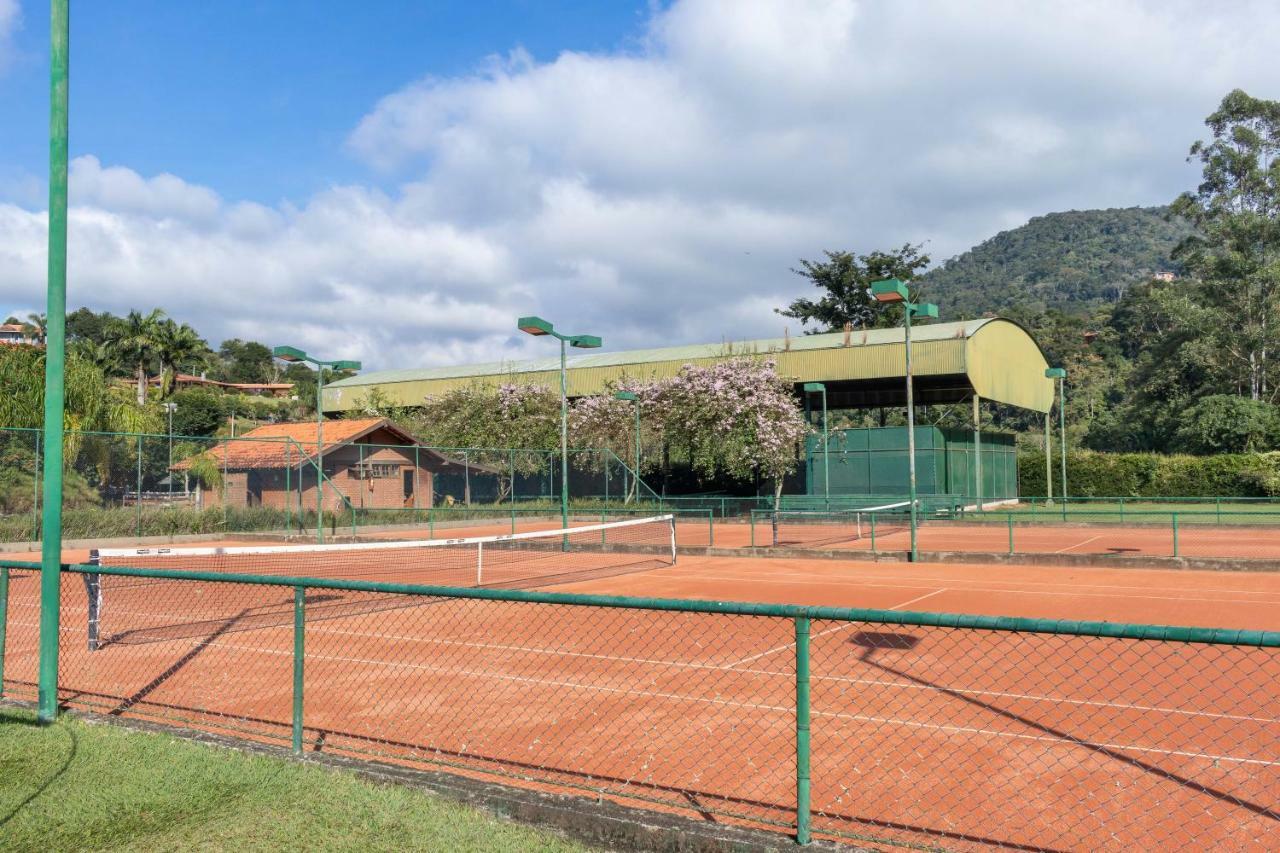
[(256, 389), (371, 462), (15, 333), (1164, 276)]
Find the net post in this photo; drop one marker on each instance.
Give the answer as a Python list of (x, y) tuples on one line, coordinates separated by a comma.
[(711, 527), (1175, 533), (299, 649), (672, 522), (803, 804), (873, 533), (4, 619), (1009, 519), (751, 522), (479, 564), (93, 594)]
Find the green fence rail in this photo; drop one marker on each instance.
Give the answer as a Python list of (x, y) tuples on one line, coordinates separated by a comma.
[(919, 729)]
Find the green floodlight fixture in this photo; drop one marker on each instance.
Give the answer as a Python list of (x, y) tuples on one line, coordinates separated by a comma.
[(535, 326), (820, 388), (923, 309), (290, 354), (1060, 374), (633, 397), (889, 290), (539, 327), (294, 355)]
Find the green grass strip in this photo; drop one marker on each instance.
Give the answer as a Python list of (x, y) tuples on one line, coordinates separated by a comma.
[(77, 786)]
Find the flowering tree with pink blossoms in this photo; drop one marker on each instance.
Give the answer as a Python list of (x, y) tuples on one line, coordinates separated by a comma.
[(735, 417)]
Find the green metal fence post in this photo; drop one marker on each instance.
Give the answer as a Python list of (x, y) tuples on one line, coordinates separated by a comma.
[(711, 527), (288, 491), (802, 731), (35, 494), (1009, 518), (54, 363), (873, 533), (1175, 534), (299, 648), (137, 490), (751, 522), (4, 618)]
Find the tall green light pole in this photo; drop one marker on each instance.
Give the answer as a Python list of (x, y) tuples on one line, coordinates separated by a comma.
[(1060, 374), (815, 388), (55, 361), (634, 398), (293, 354), (892, 290), (539, 327)]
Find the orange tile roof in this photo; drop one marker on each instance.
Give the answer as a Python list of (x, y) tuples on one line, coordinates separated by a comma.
[(278, 445)]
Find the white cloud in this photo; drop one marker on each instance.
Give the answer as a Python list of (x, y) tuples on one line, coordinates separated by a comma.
[(10, 20), (661, 194)]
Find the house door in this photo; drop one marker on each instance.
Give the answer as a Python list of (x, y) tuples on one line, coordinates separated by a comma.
[(254, 490), (408, 486)]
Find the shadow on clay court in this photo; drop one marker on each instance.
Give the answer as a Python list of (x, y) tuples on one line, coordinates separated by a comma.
[(872, 642)]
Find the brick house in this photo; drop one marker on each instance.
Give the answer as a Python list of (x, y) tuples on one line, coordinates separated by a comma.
[(370, 462)]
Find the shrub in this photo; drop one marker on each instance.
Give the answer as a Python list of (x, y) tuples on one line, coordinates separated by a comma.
[(1140, 475)]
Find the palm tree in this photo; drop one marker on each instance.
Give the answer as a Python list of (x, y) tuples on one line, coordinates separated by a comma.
[(177, 345), (36, 327), (135, 337)]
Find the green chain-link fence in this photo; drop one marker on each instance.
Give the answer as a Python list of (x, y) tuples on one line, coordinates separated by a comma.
[(928, 731)]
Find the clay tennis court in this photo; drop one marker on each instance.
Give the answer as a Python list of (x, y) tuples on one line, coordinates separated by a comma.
[(1134, 538), (944, 737)]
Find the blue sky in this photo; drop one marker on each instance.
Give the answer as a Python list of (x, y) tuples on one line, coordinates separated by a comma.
[(397, 182), (256, 98)]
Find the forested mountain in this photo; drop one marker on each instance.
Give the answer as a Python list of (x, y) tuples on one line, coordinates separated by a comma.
[(1074, 261)]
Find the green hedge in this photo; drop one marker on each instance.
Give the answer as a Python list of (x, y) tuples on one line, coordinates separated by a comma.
[(1148, 475)]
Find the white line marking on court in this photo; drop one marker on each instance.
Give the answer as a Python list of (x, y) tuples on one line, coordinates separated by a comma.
[(918, 599), (925, 584), (1063, 741), (1080, 544), (843, 627)]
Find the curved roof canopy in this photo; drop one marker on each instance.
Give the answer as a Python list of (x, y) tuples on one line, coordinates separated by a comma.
[(994, 358)]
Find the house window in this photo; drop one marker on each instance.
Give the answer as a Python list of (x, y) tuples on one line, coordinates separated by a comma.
[(375, 470)]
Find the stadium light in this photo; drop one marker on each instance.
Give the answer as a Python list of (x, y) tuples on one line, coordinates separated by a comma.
[(892, 290), (539, 327), (633, 397), (293, 355), (1060, 374), (816, 388)]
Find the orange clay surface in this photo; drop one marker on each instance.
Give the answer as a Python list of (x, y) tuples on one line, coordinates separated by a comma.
[(949, 738)]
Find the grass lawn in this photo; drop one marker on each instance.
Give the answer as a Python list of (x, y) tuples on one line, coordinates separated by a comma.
[(96, 787)]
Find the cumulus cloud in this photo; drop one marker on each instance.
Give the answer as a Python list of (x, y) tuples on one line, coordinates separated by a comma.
[(10, 19), (661, 193)]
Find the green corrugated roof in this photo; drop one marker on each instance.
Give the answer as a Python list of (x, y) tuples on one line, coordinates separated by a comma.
[(869, 337)]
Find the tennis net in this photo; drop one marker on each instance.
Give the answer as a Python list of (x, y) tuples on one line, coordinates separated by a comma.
[(124, 608), (802, 527)]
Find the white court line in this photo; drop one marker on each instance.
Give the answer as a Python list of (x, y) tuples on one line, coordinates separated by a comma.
[(846, 626), (1080, 544), (1063, 741), (925, 584)]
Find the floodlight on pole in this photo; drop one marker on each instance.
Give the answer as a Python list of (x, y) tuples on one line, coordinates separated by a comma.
[(632, 397), (293, 355), (1060, 374), (891, 290), (820, 388), (538, 327)]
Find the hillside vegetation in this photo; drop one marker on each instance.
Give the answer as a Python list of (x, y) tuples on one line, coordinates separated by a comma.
[(1073, 261)]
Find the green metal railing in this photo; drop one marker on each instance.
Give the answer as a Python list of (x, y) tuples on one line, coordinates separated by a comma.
[(722, 674)]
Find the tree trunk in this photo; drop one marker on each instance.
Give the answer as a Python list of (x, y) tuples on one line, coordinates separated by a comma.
[(142, 384)]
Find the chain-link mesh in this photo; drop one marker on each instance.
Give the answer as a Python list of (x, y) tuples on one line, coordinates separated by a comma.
[(925, 730), (969, 739)]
